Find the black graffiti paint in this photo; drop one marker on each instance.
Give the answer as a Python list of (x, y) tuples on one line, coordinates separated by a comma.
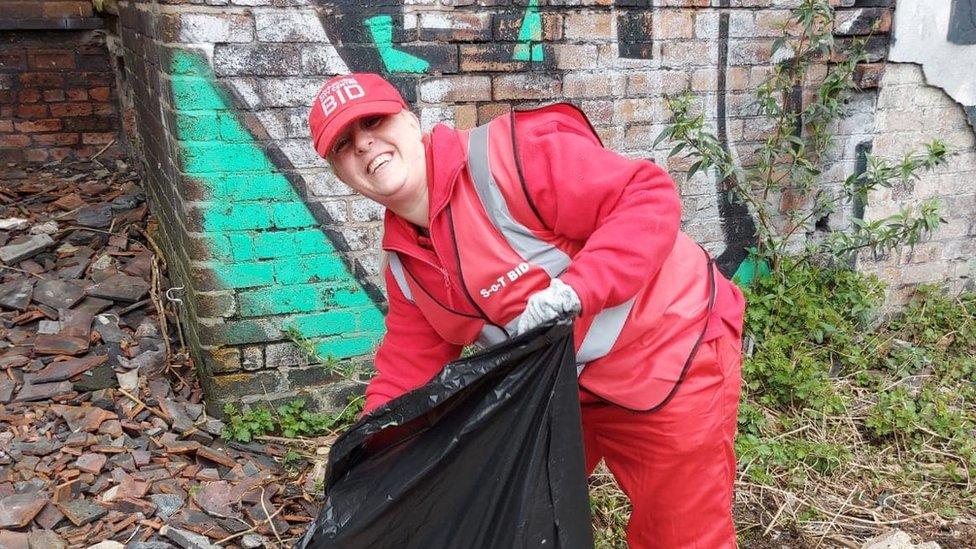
[(962, 23), (635, 33), (343, 22), (738, 226)]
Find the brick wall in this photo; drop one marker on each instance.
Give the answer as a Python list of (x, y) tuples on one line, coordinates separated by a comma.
[(911, 113), (57, 88), (271, 247)]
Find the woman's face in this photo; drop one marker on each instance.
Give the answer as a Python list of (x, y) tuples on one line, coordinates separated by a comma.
[(382, 157)]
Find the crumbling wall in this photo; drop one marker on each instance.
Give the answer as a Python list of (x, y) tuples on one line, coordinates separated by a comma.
[(57, 89), (271, 248), (928, 91)]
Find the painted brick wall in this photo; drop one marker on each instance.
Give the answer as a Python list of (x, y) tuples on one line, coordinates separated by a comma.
[(57, 87), (266, 240), (910, 113)]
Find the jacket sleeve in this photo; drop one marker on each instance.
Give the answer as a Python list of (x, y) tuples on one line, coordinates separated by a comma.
[(411, 352), (626, 212)]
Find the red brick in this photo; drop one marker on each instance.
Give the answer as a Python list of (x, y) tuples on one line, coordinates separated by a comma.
[(68, 8), (12, 155), (103, 109), (75, 94), (7, 97), (51, 59), (21, 10), (14, 141), (102, 93), (869, 75), (48, 125), (60, 153), (495, 57), (36, 155), (52, 139), (29, 96), (71, 109), (526, 86), (41, 80), (32, 111), (99, 138), (6, 125), (53, 95), (490, 111), (16, 59), (451, 89), (594, 26)]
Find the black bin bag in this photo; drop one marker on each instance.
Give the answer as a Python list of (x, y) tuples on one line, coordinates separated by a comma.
[(489, 454)]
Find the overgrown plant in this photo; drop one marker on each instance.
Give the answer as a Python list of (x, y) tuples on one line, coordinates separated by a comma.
[(790, 159), (291, 420), (347, 369)]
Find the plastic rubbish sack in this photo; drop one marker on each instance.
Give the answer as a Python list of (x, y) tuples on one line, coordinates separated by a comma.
[(488, 454)]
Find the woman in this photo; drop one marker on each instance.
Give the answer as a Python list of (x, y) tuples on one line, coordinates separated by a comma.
[(493, 231)]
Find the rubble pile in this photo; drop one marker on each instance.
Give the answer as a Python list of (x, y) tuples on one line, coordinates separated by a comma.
[(104, 440)]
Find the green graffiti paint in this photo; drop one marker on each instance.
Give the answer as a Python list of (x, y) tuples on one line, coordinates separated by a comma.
[(263, 238), (530, 35), (381, 29), (750, 268)]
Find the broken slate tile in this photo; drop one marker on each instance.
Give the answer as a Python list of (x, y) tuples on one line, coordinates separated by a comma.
[(93, 305), (49, 517), (15, 253), (72, 267), (6, 390), (96, 379), (91, 463), (57, 293), (167, 504), (82, 418), (65, 369), (75, 323), (216, 456), (14, 540), (16, 295), (56, 344), (187, 539), (17, 510), (107, 326), (47, 539), (120, 287), (69, 202), (96, 216), (82, 511), (42, 391), (48, 327)]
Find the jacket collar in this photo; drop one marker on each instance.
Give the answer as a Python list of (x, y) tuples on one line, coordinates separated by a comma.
[(446, 155)]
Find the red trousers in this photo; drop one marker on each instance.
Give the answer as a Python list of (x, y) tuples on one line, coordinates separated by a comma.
[(677, 463)]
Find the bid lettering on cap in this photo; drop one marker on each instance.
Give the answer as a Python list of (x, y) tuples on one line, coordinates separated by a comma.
[(340, 93)]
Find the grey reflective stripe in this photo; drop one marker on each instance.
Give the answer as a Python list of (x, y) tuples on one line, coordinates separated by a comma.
[(396, 267), (604, 331), (519, 237), (606, 326)]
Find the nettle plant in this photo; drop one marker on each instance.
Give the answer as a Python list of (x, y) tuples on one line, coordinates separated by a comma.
[(791, 158)]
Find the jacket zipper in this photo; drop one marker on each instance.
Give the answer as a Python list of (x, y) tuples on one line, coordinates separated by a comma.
[(464, 287), (442, 270)]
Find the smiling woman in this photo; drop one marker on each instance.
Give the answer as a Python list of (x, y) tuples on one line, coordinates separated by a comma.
[(528, 218), (382, 158)]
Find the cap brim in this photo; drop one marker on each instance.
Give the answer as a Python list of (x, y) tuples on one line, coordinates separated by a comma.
[(331, 131)]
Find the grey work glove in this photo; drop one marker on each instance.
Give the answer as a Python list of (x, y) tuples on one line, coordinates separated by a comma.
[(557, 300)]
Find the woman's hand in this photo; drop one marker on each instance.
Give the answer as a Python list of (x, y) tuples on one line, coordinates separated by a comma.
[(555, 301)]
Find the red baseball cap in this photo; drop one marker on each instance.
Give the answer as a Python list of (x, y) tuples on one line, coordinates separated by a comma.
[(346, 98)]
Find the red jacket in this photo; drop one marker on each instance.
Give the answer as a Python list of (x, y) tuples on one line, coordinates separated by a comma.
[(615, 217)]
